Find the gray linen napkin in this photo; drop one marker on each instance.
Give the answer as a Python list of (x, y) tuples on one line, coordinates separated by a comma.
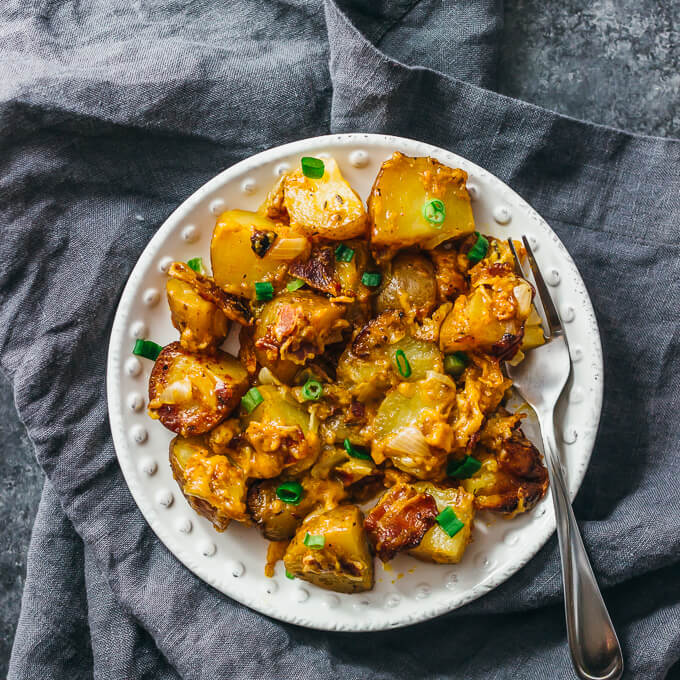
[(113, 112)]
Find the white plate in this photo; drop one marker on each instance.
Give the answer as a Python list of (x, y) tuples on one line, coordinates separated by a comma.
[(233, 562)]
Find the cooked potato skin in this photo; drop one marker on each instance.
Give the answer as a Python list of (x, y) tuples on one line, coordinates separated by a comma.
[(395, 205), (213, 486), (345, 563), (436, 545), (410, 286), (218, 378)]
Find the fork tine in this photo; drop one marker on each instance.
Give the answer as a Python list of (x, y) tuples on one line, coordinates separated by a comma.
[(519, 270), (552, 317)]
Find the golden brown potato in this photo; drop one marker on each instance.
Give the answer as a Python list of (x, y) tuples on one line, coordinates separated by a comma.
[(201, 324), (512, 478), (368, 367), (409, 285), (279, 429), (449, 274), (235, 245), (396, 205), (278, 520), (214, 487), (191, 393), (411, 426), (318, 272), (294, 328), (344, 562), (235, 308), (399, 520), (326, 207), (437, 545)]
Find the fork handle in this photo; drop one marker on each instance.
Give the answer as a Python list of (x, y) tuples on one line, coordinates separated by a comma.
[(593, 643)]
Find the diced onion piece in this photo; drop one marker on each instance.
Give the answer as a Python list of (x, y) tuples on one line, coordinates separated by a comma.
[(409, 441), (523, 294), (177, 392), (266, 377), (440, 377), (286, 249)]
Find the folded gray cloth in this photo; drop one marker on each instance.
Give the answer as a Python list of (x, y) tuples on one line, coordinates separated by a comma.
[(113, 112)]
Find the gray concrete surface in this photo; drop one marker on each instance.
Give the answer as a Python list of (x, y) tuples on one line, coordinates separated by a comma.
[(611, 62)]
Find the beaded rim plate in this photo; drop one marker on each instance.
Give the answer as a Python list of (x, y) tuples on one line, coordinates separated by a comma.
[(407, 591)]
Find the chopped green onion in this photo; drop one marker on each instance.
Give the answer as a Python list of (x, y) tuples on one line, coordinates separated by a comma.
[(147, 349), (371, 279), (251, 399), (290, 492), (454, 364), (462, 469), (312, 167), (434, 211), (264, 290), (312, 390), (344, 253), (402, 363), (289, 575), (315, 542), (196, 263), (356, 452), (479, 250), (295, 284), (448, 521)]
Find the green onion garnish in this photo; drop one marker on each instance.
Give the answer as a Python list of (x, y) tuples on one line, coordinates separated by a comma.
[(196, 263), (371, 279), (312, 167), (344, 253), (295, 284), (315, 542), (479, 250), (251, 399), (462, 469), (402, 363), (289, 575), (264, 290), (312, 390), (356, 451), (434, 211), (147, 349), (290, 492), (454, 364), (448, 521)]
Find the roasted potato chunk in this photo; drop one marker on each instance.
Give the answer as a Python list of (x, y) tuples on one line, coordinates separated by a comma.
[(239, 258), (344, 562), (278, 520), (368, 367), (202, 325), (396, 206), (294, 328), (399, 520), (411, 426), (326, 207), (191, 393), (279, 429), (214, 487), (512, 478), (409, 285), (437, 545)]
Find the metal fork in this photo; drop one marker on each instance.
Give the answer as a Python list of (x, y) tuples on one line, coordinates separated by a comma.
[(540, 379)]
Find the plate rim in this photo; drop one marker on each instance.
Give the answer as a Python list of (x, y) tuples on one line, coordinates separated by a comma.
[(114, 362)]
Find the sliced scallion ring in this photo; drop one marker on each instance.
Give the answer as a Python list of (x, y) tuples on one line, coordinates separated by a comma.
[(356, 451), (462, 469), (251, 399), (196, 263), (264, 291), (448, 521), (312, 167), (314, 541), (147, 349), (479, 249), (403, 366), (294, 285), (371, 279), (434, 211), (344, 253), (454, 364), (312, 390), (290, 492)]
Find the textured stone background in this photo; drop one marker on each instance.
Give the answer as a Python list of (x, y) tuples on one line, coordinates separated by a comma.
[(611, 62)]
